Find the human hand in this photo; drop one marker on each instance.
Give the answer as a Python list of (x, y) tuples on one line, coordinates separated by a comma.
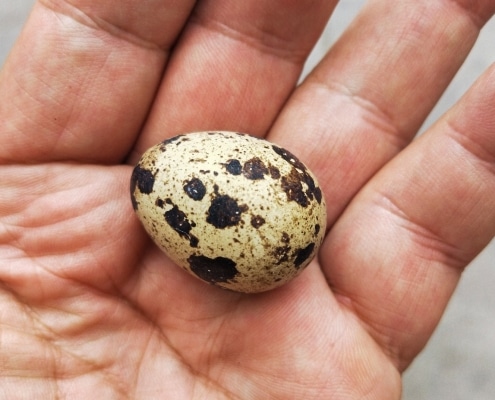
[(90, 307)]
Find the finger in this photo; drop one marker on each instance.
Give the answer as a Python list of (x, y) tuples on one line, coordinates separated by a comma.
[(371, 93), (398, 252), (80, 80), (235, 66)]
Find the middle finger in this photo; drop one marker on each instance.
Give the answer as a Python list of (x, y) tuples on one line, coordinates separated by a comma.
[(234, 66)]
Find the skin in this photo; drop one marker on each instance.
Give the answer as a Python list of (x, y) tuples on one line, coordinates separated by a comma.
[(91, 308)]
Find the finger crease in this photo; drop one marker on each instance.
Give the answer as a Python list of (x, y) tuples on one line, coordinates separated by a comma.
[(469, 10), (262, 41), (483, 155), (77, 14), (372, 114), (435, 248)]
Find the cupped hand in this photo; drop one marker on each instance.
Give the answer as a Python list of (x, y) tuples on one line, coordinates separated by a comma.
[(89, 306)]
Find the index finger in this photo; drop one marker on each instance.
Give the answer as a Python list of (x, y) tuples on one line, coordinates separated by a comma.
[(80, 79)]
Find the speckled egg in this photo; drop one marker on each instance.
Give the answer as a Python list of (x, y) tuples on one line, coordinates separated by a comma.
[(233, 210)]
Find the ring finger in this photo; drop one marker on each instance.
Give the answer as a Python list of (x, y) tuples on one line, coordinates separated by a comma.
[(369, 96)]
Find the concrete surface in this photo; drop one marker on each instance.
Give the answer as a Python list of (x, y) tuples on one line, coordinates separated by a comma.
[(459, 361)]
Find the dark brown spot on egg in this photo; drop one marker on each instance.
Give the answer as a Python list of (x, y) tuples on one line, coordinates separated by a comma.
[(285, 237), (224, 211), (274, 172), (309, 181), (179, 223), (292, 186), (134, 201), (257, 221), (317, 229), (233, 167), (159, 203), (313, 191), (177, 138), (318, 195), (213, 270), (289, 157), (254, 169), (303, 254), (142, 179), (195, 189), (281, 253)]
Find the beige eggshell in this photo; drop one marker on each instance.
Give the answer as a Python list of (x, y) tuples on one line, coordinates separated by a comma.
[(233, 210)]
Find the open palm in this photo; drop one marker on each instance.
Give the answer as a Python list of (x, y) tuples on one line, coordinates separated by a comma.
[(89, 306)]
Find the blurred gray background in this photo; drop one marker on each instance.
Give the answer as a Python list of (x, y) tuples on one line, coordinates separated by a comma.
[(459, 361)]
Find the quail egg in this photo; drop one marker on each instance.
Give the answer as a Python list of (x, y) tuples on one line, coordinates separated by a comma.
[(233, 210)]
